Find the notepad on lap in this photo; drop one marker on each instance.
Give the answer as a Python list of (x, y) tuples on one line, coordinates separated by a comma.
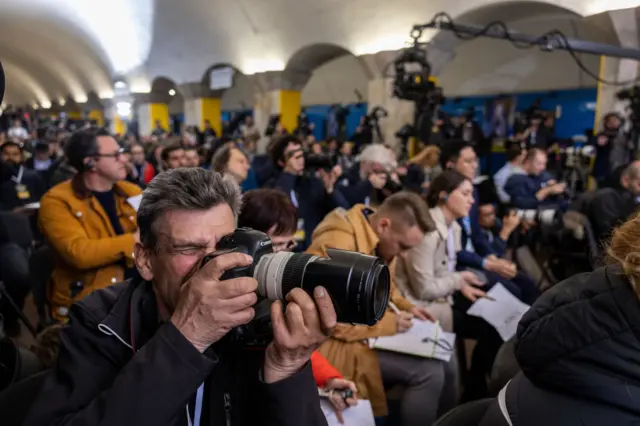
[(425, 339), (358, 415)]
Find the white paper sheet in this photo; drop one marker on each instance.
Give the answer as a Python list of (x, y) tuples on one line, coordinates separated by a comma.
[(358, 415), (503, 313), (419, 340), (135, 201)]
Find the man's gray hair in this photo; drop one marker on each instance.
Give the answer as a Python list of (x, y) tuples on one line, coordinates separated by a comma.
[(183, 189), (378, 153)]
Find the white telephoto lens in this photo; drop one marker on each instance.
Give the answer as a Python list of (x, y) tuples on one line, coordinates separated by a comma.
[(269, 271)]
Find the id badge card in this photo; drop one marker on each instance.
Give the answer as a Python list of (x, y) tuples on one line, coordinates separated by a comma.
[(22, 192), (300, 234)]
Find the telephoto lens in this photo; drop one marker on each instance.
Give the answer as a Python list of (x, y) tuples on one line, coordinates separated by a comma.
[(358, 284)]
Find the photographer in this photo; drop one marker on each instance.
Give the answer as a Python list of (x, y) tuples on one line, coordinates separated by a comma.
[(535, 187), (313, 197), (370, 173), (613, 149), (153, 350)]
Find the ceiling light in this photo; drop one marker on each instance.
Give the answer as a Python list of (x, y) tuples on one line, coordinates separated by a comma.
[(120, 85), (172, 92)]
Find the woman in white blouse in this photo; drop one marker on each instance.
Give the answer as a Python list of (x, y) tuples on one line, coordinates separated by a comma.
[(427, 274)]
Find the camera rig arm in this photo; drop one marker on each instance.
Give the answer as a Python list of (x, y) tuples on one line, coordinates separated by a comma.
[(550, 41)]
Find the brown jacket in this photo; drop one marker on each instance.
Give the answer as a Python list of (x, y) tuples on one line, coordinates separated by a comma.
[(347, 349), (85, 246)]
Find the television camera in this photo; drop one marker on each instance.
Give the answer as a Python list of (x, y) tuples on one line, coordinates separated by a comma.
[(412, 83)]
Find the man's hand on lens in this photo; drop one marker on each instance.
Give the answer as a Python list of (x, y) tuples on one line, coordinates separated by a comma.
[(339, 403), (209, 308), (378, 180), (403, 321), (297, 332), (328, 179)]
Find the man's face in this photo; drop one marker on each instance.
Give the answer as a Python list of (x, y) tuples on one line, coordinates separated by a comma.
[(538, 164), (295, 156), (612, 122), (487, 216), (176, 159), (467, 163), (396, 240), (191, 158), (12, 154), (17, 123), (238, 165), (281, 242), (110, 162), (137, 155), (184, 238)]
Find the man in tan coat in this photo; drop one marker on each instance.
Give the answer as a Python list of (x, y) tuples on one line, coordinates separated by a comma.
[(397, 226)]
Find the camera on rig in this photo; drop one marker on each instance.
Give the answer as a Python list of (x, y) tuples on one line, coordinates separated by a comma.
[(412, 77), (632, 94)]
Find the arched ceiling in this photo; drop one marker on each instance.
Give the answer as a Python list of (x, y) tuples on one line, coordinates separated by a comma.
[(76, 46)]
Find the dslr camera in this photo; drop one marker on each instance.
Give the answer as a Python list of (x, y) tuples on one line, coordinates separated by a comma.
[(357, 284)]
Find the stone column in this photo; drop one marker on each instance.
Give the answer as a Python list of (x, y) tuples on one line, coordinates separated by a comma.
[(151, 107), (625, 22), (200, 104), (277, 92)]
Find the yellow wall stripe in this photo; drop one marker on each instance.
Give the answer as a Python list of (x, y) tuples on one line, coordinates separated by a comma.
[(98, 116), (211, 110), (289, 107), (159, 112)]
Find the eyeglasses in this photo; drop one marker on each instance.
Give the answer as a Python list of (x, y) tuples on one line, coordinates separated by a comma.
[(115, 155)]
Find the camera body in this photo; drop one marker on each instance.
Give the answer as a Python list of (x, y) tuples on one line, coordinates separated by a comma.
[(358, 284), (320, 161)]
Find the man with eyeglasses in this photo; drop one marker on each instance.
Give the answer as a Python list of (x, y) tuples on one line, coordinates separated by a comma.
[(89, 221)]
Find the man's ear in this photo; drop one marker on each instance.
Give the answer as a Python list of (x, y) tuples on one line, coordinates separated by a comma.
[(384, 223), (143, 262)]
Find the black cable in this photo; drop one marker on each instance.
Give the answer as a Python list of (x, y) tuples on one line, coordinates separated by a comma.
[(552, 38)]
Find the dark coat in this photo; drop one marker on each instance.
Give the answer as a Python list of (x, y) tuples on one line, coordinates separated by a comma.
[(579, 349), (119, 366)]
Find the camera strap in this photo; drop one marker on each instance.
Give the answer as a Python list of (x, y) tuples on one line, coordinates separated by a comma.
[(294, 199)]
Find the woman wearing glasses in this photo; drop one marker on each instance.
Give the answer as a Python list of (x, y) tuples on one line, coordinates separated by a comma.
[(428, 277), (271, 211)]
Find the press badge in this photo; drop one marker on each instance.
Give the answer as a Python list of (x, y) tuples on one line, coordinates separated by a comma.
[(22, 192), (300, 235)]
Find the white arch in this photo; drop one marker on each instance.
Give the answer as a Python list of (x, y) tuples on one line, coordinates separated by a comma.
[(21, 78), (121, 29)]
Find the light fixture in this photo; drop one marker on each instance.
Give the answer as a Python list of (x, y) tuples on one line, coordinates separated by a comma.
[(120, 85), (123, 109), (62, 101), (172, 92), (35, 106)]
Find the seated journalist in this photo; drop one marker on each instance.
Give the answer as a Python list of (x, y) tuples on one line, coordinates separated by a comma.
[(152, 351)]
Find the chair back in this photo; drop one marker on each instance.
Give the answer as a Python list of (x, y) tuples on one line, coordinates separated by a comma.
[(16, 228)]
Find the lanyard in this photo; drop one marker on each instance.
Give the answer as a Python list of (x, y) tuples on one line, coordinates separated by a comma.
[(294, 199), (197, 412), (18, 179), (451, 250), (367, 201)]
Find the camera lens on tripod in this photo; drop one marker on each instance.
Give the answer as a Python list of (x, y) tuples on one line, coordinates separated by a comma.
[(358, 284)]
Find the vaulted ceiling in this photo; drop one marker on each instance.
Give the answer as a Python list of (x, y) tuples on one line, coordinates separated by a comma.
[(55, 48)]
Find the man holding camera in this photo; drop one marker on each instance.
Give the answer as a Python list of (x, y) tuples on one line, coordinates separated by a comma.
[(398, 225), (313, 197), (155, 350)]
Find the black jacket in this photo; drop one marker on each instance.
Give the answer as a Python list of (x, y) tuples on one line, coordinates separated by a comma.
[(119, 366), (609, 208), (579, 349)]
